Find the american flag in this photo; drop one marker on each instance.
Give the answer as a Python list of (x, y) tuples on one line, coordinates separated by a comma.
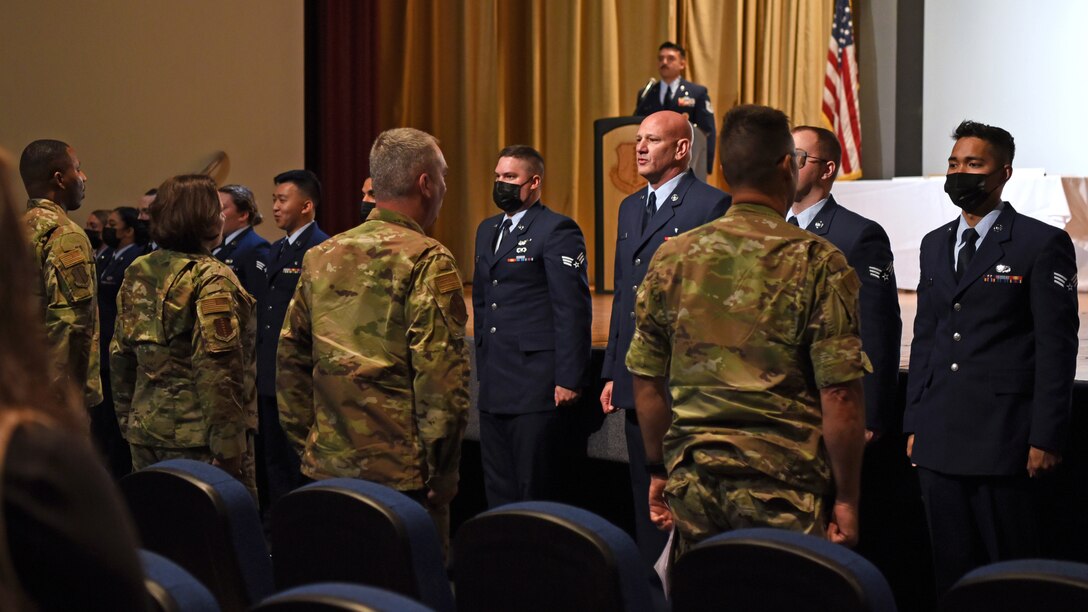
[(841, 90)]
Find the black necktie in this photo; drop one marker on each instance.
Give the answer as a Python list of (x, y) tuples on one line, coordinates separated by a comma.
[(970, 236), (499, 234), (285, 249), (793, 221), (651, 208), (668, 97)]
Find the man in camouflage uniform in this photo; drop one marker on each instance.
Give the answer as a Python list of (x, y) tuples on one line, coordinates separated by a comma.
[(752, 323), (372, 367), (182, 357), (55, 183)]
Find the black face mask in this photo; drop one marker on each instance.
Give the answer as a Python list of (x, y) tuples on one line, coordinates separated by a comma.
[(109, 236), (95, 237), (507, 196), (966, 190)]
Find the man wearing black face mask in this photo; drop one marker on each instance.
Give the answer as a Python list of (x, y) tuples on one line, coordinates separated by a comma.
[(532, 317), (991, 365)]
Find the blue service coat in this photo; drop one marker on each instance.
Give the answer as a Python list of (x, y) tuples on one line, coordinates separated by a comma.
[(242, 254), (692, 203), (994, 354), (869, 252), (532, 312), (281, 269)]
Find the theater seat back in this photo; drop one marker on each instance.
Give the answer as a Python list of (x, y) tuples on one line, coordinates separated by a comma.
[(172, 589), (548, 556), (354, 531), (339, 597), (201, 518), (768, 570), (1029, 584)]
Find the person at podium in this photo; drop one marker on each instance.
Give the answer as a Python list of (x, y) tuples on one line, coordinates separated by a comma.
[(675, 93)]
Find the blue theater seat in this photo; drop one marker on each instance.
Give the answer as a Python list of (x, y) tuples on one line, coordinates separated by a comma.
[(773, 569), (548, 556), (1028, 584), (173, 589), (355, 531), (201, 518), (339, 597)]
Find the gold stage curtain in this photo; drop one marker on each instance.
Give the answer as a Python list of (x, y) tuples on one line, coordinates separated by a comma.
[(483, 74), (770, 52)]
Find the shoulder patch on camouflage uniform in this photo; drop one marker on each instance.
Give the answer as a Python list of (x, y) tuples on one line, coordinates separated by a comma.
[(75, 270), (447, 282), (220, 329), (224, 328), (214, 305), (71, 258)]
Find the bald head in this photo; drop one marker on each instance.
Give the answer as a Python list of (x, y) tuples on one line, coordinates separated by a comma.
[(663, 146)]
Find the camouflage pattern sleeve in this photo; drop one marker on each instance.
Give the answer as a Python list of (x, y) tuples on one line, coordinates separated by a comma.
[(834, 328), (295, 365), (651, 347), (123, 361), (71, 311), (436, 317), (219, 365)]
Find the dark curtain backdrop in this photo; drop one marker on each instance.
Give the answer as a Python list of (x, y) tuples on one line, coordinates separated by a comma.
[(341, 103)]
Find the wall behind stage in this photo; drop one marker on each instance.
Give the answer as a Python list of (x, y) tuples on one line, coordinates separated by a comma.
[(146, 90), (1016, 64)]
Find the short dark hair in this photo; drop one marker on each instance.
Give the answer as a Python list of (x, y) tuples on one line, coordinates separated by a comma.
[(41, 158), (668, 44), (244, 201), (131, 218), (752, 141), (306, 182), (186, 213), (998, 138), (830, 149), (526, 154)]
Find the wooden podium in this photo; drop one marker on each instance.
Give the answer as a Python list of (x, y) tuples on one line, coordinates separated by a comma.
[(615, 176)]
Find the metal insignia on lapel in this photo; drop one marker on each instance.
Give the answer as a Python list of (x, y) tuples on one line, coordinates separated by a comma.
[(998, 228), (819, 224), (675, 197), (521, 227), (1002, 269)]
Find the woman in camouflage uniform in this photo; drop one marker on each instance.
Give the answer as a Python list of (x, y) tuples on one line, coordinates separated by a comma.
[(181, 359)]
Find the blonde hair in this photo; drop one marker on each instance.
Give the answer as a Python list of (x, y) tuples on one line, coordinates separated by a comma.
[(397, 159)]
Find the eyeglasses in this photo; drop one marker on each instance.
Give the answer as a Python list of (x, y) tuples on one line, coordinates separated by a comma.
[(801, 157)]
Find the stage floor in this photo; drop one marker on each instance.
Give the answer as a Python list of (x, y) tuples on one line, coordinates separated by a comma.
[(602, 308)]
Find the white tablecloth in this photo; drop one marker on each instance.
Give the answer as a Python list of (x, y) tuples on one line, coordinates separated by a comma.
[(909, 208)]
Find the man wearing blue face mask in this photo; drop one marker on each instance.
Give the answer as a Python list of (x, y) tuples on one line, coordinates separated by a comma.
[(991, 365), (532, 317)]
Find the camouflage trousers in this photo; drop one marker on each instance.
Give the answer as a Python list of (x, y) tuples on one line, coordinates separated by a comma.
[(143, 456), (704, 504)]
